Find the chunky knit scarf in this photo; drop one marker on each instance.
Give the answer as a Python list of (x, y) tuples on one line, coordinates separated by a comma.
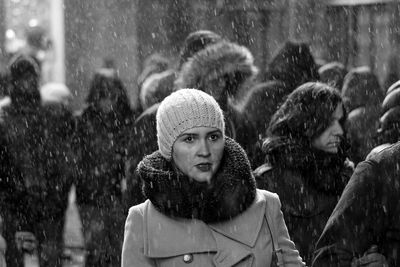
[(231, 191)]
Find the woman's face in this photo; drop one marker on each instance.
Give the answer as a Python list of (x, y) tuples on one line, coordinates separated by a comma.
[(197, 152), (329, 140)]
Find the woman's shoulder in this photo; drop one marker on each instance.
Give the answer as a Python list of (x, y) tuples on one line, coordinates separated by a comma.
[(139, 209), (271, 199)]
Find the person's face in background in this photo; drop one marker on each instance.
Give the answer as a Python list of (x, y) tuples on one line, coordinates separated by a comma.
[(108, 103), (329, 140), (197, 152)]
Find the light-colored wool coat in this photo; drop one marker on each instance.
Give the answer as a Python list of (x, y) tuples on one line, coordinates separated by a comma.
[(153, 239)]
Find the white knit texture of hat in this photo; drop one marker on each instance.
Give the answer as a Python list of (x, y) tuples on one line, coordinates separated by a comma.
[(183, 110)]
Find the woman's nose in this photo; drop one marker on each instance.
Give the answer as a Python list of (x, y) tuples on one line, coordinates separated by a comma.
[(338, 130), (204, 149)]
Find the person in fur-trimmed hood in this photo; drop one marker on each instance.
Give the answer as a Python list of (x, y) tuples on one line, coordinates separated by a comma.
[(223, 70), (306, 162), (202, 205), (156, 87)]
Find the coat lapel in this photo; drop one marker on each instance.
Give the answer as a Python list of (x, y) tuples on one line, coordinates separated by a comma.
[(241, 228)]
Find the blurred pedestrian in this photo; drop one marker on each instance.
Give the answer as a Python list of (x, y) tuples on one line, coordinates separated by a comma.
[(101, 138), (38, 166), (203, 208), (306, 162)]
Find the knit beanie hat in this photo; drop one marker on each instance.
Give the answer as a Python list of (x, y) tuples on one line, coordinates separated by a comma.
[(183, 110)]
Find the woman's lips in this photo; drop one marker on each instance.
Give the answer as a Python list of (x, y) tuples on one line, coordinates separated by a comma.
[(204, 167)]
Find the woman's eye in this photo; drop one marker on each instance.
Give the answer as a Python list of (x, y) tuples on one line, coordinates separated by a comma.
[(189, 139), (214, 137)]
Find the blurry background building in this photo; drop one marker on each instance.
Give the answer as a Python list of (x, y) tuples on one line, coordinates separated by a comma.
[(84, 34)]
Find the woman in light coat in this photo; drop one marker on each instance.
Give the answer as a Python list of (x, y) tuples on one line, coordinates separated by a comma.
[(202, 205)]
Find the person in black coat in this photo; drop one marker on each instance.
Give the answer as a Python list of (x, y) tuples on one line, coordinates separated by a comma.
[(101, 138), (364, 228), (306, 162), (37, 164)]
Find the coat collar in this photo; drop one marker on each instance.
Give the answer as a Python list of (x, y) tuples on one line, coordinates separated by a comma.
[(167, 237)]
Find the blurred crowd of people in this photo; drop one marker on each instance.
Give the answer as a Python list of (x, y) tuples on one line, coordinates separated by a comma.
[(324, 138)]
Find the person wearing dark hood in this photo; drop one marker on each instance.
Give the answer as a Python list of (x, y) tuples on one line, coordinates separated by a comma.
[(362, 96), (202, 205), (291, 65), (40, 166), (306, 162), (333, 73), (101, 139), (364, 228), (222, 70)]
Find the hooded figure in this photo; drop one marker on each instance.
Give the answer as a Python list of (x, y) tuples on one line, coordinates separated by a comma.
[(202, 205), (102, 135), (155, 63), (333, 73), (293, 64), (222, 70), (306, 161), (39, 160), (362, 96)]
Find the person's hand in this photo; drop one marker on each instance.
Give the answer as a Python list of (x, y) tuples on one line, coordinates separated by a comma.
[(26, 241), (371, 258)]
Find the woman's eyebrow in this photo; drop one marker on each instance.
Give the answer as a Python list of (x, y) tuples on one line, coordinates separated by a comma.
[(213, 132), (188, 134)]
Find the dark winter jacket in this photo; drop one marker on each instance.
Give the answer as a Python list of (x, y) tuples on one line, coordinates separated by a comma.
[(362, 96), (143, 141), (368, 213), (309, 181), (261, 102), (37, 164), (100, 142)]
